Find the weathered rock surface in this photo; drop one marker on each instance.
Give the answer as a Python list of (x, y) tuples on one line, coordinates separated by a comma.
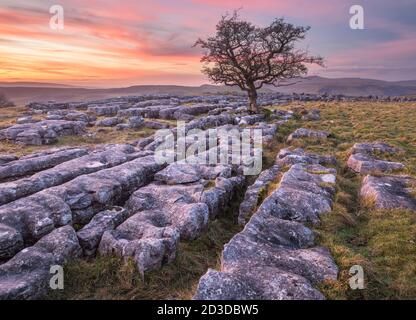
[(179, 173), (90, 235), (312, 115), (155, 125), (363, 158), (172, 208), (257, 284), (273, 257), (26, 119), (27, 275), (6, 158), (136, 122), (76, 201), (255, 192), (305, 192), (365, 164), (107, 157), (150, 246), (70, 115), (42, 132), (307, 133), (371, 148), (25, 166), (108, 122), (390, 192), (288, 157)]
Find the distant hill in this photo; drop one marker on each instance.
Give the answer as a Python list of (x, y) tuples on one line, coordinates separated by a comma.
[(24, 92), (34, 85), (351, 87)]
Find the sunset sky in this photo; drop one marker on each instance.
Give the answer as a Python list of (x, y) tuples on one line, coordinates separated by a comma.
[(119, 43)]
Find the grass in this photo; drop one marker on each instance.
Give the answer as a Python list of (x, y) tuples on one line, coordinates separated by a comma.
[(381, 241)]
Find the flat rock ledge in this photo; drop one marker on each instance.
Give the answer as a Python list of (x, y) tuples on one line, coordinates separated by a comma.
[(363, 158), (307, 133), (365, 164), (390, 192), (274, 257), (42, 132)]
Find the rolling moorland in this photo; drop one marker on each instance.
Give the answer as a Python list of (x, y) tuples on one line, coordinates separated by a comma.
[(353, 227), (22, 93)]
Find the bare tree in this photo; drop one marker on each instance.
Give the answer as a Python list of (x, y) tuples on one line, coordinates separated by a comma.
[(249, 56), (5, 102)]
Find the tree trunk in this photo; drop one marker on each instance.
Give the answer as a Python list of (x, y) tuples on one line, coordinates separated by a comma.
[(252, 100)]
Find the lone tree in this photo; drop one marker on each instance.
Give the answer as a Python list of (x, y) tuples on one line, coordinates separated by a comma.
[(249, 56)]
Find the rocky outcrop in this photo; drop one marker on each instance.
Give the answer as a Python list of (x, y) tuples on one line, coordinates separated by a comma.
[(312, 115), (288, 157), (90, 235), (390, 192), (6, 158), (42, 132), (38, 162), (108, 122), (363, 158), (307, 133), (27, 275), (254, 193), (365, 164), (374, 148), (76, 201), (274, 257), (176, 206), (94, 161), (70, 115), (155, 125)]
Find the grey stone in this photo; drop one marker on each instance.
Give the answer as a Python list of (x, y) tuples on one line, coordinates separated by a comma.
[(390, 192), (90, 235), (75, 201), (108, 122), (136, 122), (27, 275), (287, 157), (26, 119), (255, 191), (374, 147), (155, 125), (257, 284), (30, 165), (366, 164), (150, 245), (106, 157), (42, 132), (307, 133), (312, 115), (6, 158)]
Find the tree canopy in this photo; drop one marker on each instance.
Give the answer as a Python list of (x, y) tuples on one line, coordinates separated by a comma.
[(244, 55)]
